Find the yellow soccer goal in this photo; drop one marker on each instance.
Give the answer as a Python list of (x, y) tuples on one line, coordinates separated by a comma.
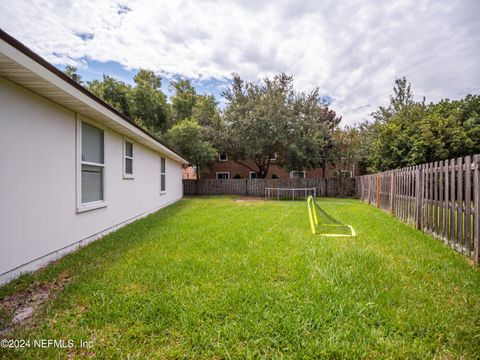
[(323, 224)]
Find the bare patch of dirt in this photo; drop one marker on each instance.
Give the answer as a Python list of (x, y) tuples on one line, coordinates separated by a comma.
[(19, 308), (249, 199)]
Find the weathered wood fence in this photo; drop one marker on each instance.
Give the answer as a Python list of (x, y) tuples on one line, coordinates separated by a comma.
[(256, 187), (441, 198)]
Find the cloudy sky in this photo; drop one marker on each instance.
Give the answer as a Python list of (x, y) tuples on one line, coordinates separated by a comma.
[(351, 50)]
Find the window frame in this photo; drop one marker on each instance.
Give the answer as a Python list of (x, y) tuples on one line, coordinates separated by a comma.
[(250, 175), (82, 207), (164, 173), (222, 172), (220, 157), (274, 158), (125, 157), (292, 172)]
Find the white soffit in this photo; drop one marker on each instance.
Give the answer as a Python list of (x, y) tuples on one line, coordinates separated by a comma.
[(25, 71)]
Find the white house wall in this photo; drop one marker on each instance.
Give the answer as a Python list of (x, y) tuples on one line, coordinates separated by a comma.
[(38, 181)]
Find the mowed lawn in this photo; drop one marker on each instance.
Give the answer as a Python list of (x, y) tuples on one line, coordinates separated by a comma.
[(218, 278)]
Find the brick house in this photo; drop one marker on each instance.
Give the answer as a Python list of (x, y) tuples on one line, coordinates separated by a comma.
[(224, 168)]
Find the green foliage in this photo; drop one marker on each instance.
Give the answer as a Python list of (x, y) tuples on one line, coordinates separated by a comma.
[(188, 137), (149, 103), (272, 118), (114, 92), (351, 146), (198, 129), (409, 132), (213, 278), (145, 102), (183, 100)]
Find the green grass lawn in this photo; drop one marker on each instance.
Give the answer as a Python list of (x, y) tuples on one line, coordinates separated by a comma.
[(215, 278)]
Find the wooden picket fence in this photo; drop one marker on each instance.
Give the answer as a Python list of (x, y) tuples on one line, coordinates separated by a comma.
[(256, 187), (441, 198)]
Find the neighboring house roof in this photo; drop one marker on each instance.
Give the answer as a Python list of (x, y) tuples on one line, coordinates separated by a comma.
[(26, 68)]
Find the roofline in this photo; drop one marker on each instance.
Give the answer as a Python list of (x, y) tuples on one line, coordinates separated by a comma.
[(41, 61)]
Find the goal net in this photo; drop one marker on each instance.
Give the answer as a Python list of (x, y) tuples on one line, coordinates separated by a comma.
[(323, 224)]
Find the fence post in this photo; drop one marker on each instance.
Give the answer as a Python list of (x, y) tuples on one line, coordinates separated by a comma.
[(418, 197), (476, 216)]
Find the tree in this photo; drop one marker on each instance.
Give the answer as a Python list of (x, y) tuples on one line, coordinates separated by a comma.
[(183, 100), (271, 118), (205, 110), (149, 103), (409, 132), (187, 137), (114, 92)]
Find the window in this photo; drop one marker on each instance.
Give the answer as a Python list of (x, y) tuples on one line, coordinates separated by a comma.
[(222, 157), (274, 157), (91, 166), (127, 160), (297, 174), (345, 173), (253, 175), (223, 175), (162, 176)]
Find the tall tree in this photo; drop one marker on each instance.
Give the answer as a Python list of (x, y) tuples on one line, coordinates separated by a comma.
[(149, 103), (114, 92), (271, 118), (188, 137), (183, 100), (410, 132)]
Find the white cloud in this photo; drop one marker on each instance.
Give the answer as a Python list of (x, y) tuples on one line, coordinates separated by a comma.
[(352, 51)]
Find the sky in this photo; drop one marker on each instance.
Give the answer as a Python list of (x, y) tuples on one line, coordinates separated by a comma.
[(351, 50)]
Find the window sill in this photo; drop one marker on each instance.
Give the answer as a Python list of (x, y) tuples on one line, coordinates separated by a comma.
[(91, 206), (128, 176), (163, 192)]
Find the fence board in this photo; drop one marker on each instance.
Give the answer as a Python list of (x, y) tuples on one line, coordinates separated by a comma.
[(468, 204), (256, 187), (452, 203), (476, 211), (442, 198)]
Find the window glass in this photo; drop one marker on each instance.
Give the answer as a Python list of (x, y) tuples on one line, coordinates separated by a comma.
[(128, 149), (162, 188), (162, 175), (162, 165), (92, 183), (128, 166), (298, 174), (92, 144), (223, 175)]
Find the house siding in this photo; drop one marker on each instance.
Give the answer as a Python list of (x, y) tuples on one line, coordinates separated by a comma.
[(38, 188)]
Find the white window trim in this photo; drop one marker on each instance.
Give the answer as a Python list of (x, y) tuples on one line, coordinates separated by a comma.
[(250, 175), (95, 204), (125, 175), (274, 157), (291, 174), (162, 192), (222, 172), (220, 157)]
